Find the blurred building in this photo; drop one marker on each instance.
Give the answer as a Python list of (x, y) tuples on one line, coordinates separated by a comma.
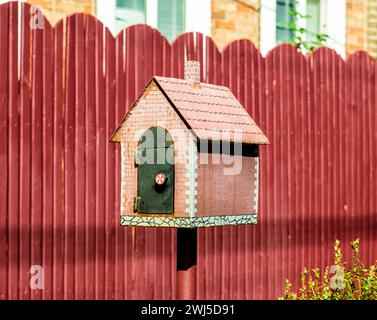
[(362, 26), (351, 24)]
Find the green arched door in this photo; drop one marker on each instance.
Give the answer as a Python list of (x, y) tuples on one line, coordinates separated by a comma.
[(155, 179)]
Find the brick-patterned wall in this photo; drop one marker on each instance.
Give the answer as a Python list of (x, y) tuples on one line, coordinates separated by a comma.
[(235, 19), (154, 110), (55, 10), (227, 185), (372, 28), (361, 33), (356, 25)]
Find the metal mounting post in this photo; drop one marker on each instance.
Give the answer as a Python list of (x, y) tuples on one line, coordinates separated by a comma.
[(186, 263)]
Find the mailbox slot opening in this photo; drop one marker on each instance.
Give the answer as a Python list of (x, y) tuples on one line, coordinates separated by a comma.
[(228, 148)]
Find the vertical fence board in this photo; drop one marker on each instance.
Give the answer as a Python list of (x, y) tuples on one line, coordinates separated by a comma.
[(48, 132), (14, 153), (58, 161), (90, 168), (260, 279), (37, 176), (122, 239), (4, 148), (110, 166), (69, 163), (80, 156), (372, 96), (101, 141), (25, 152)]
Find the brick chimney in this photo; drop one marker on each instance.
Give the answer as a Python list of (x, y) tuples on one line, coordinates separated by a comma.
[(192, 71)]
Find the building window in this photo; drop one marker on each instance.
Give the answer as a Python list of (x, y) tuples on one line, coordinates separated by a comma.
[(171, 17), (313, 8), (128, 12), (283, 18), (275, 17)]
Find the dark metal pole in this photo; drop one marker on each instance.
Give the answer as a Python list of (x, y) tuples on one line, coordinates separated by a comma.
[(186, 263)]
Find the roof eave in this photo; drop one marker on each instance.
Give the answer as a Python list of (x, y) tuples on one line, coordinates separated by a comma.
[(114, 137)]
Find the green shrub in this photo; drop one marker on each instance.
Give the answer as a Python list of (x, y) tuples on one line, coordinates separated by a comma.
[(343, 281)]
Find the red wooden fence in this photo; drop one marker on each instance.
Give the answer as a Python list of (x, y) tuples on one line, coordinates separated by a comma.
[(64, 89)]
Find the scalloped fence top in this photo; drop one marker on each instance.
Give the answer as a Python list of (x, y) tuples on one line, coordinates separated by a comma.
[(28, 13)]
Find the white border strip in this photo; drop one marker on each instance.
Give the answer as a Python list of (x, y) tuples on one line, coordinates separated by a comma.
[(191, 175), (256, 184)]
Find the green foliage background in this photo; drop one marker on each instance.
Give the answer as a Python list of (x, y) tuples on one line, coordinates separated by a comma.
[(352, 281)]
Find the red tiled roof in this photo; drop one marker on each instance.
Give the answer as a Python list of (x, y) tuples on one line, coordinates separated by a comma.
[(211, 111)]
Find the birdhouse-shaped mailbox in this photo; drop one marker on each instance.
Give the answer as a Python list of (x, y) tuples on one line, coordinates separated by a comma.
[(189, 156)]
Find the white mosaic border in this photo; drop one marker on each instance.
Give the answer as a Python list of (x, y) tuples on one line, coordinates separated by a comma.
[(191, 176), (197, 222), (256, 186), (123, 177)]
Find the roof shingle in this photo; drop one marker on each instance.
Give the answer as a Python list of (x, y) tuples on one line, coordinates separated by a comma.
[(211, 111)]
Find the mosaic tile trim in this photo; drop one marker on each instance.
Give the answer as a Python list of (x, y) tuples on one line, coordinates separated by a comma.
[(123, 176), (191, 176), (196, 222)]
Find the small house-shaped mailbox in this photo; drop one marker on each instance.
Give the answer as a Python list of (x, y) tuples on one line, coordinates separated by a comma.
[(189, 156)]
